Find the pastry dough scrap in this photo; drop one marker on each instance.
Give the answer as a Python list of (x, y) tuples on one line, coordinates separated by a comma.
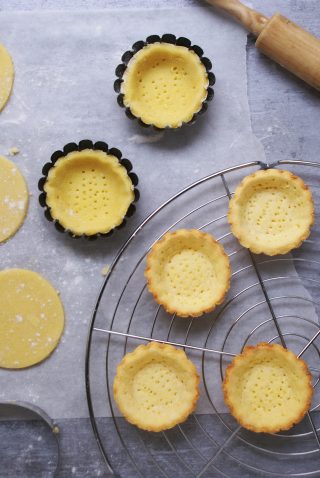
[(165, 85), (31, 318), (188, 272), (14, 198), (156, 387), (268, 388)]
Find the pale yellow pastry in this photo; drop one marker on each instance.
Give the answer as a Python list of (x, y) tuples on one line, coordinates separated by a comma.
[(88, 192), (156, 387), (14, 198), (31, 318), (268, 388), (164, 84), (188, 272), (271, 212), (6, 76)]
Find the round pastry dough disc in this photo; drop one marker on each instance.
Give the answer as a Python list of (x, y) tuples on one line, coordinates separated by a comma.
[(6, 76), (31, 318), (14, 198)]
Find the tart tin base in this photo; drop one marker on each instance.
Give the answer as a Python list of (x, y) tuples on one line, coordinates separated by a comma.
[(172, 39), (98, 146), (25, 423)]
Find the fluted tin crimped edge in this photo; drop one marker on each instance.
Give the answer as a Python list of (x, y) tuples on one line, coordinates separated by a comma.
[(165, 38), (98, 146)]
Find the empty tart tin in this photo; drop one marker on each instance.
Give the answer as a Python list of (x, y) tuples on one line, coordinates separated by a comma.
[(25, 424), (164, 82), (88, 189)]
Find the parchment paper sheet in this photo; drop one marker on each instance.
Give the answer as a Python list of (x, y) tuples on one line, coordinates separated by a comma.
[(63, 92)]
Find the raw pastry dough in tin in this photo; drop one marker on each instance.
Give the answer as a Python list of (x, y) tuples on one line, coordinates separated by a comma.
[(165, 84), (88, 192)]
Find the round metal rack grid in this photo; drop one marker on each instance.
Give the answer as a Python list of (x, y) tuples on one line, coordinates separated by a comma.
[(272, 299)]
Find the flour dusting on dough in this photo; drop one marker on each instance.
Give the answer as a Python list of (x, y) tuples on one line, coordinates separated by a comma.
[(29, 335)]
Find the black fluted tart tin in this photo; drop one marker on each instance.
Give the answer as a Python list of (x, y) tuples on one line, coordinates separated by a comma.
[(165, 38), (82, 145)]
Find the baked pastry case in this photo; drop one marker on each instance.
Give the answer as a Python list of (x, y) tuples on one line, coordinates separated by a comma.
[(272, 299)]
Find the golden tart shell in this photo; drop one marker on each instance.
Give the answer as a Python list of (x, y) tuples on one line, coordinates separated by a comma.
[(156, 387), (188, 272), (271, 212), (267, 388)]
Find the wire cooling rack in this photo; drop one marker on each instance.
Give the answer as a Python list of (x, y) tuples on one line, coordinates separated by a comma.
[(271, 299)]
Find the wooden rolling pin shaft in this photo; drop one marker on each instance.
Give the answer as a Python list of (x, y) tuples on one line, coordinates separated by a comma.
[(280, 39)]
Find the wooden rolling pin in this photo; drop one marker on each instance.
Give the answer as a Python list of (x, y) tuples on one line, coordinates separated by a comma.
[(282, 40)]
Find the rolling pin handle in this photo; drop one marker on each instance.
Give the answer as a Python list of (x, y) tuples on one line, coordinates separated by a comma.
[(251, 19)]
